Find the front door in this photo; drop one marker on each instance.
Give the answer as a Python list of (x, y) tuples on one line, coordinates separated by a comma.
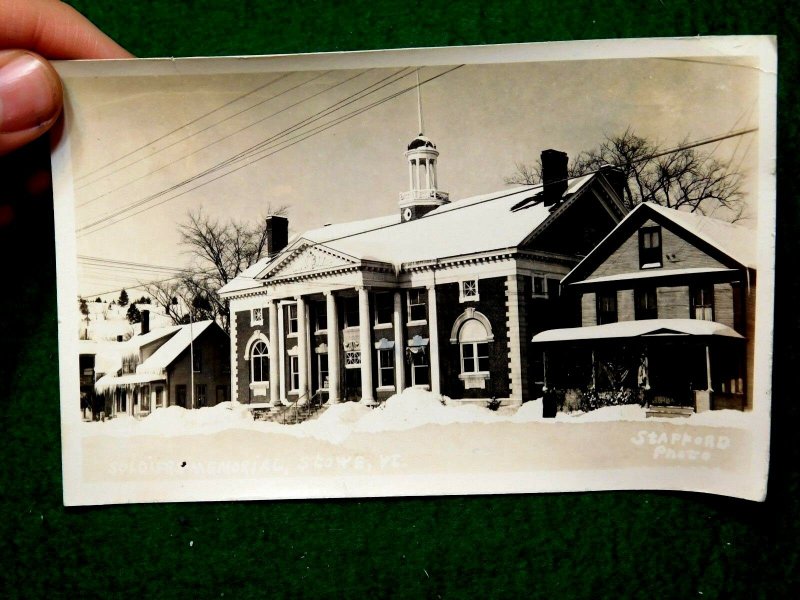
[(670, 371), (352, 385)]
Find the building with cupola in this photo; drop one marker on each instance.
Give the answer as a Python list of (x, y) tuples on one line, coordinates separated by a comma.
[(444, 294)]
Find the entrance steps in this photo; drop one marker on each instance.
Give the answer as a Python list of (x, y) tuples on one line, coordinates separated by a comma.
[(669, 411)]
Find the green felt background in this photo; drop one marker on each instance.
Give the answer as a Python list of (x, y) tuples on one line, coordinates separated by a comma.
[(628, 544)]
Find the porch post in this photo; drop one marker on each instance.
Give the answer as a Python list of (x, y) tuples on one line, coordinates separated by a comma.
[(281, 357), (302, 350), (544, 371), (365, 344), (433, 334), (399, 345), (333, 348), (274, 354), (708, 369)]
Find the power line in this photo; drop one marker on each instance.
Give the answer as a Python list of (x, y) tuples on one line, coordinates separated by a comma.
[(104, 194), (316, 116), (239, 157), (192, 122)]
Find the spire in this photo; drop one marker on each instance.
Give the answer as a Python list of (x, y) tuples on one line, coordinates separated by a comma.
[(419, 106)]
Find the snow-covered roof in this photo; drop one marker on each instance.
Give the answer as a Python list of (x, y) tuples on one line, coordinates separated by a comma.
[(161, 358), (109, 354), (643, 328), (483, 223), (646, 274), (734, 240), (738, 242), (109, 382)]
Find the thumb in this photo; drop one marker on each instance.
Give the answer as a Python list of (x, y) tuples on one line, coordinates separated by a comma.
[(30, 98)]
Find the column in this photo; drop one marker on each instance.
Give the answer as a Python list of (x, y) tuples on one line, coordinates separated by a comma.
[(333, 348), (302, 350), (433, 344), (281, 357), (516, 329), (399, 345), (274, 355), (411, 175), (365, 343)]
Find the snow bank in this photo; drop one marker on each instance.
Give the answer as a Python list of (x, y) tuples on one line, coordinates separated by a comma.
[(415, 407), (411, 409)]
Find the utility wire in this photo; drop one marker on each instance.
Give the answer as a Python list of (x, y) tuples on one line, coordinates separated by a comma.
[(83, 230), (192, 122), (116, 189), (233, 159)]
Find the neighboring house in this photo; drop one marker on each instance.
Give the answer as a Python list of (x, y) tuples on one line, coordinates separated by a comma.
[(158, 368), (666, 308), (441, 295)]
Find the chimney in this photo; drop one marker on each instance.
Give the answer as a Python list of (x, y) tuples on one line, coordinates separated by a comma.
[(616, 178), (119, 338), (145, 321), (277, 234), (554, 175)]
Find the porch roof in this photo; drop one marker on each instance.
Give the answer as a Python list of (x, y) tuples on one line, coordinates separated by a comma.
[(110, 382), (636, 329)]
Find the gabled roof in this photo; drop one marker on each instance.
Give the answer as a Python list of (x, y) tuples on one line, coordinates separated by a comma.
[(734, 243), (163, 357), (497, 221)]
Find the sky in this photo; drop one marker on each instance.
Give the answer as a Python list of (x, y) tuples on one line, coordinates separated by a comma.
[(134, 137)]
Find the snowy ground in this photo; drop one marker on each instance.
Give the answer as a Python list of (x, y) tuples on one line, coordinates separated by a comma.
[(412, 409)]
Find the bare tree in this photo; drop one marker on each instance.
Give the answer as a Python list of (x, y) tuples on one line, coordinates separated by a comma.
[(163, 294), (686, 178), (221, 250)]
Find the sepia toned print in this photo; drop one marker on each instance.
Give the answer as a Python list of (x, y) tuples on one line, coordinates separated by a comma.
[(542, 267)]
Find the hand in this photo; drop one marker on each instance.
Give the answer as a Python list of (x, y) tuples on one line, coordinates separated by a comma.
[(30, 90)]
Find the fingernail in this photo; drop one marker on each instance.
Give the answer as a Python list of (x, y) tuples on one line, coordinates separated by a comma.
[(30, 93)]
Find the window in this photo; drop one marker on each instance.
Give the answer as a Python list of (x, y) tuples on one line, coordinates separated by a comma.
[(350, 309), (473, 340), (539, 286), (259, 362), (159, 396), (197, 359), (384, 308), (322, 317), (200, 394), (322, 369), (468, 291), (257, 316), (645, 303), (419, 368), (144, 399), (553, 288), (650, 247), (386, 368), (293, 318), (294, 373), (180, 395), (702, 302), (416, 305), (352, 359), (606, 307)]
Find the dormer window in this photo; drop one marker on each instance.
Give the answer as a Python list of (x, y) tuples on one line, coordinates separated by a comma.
[(257, 316), (468, 291), (650, 247)]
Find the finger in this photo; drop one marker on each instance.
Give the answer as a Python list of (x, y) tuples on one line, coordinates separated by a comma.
[(30, 98), (54, 30)]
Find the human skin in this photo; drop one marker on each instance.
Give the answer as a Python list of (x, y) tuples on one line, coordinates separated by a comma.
[(32, 31)]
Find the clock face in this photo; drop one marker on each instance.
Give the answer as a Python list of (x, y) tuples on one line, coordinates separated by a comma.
[(407, 214)]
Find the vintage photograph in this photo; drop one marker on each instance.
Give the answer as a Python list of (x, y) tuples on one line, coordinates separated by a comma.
[(501, 269)]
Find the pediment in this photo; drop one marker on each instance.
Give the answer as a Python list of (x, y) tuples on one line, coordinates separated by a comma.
[(308, 259)]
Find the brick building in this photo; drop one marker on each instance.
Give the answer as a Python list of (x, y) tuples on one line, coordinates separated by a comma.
[(666, 307), (441, 295)]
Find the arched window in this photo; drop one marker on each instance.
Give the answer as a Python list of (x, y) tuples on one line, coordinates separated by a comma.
[(473, 340), (259, 362)]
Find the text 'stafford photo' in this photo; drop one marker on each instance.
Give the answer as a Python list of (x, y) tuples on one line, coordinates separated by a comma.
[(501, 269)]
